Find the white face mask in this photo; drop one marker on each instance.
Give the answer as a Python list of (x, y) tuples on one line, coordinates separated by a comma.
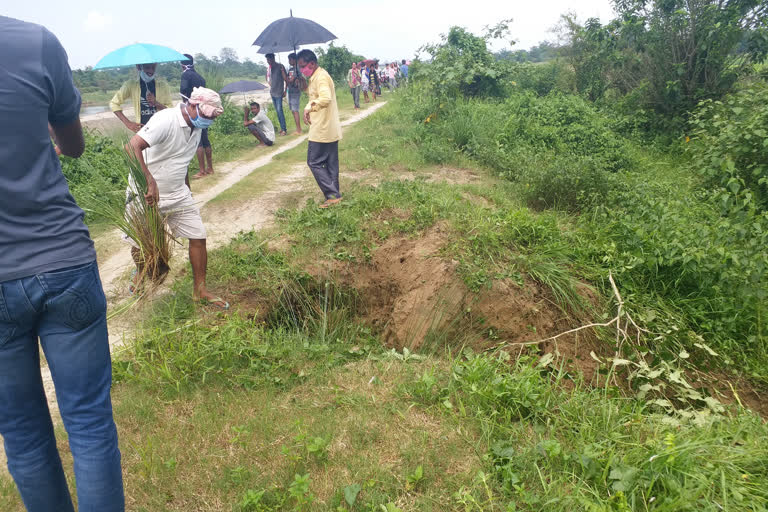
[(145, 77)]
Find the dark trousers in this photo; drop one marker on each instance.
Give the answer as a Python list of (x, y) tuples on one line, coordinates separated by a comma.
[(323, 161)]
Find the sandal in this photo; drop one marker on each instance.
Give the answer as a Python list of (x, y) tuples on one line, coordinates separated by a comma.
[(217, 302), (330, 202)]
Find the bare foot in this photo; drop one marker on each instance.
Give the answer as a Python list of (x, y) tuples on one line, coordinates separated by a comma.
[(298, 132), (282, 132), (199, 175)]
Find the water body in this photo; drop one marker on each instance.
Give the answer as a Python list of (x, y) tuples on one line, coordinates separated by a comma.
[(93, 109)]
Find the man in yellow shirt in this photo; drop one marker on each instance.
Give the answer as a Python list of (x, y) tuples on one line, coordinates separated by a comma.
[(322, 116), (149, 95)]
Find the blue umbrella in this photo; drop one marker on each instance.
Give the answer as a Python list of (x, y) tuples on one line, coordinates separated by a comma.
[(286, 34), (242, 86), (139, 53)]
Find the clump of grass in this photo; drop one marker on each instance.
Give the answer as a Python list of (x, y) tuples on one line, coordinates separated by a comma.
[(141, 223)]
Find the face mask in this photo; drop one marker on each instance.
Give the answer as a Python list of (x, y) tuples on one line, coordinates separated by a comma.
[(146, 77), (307, 71), (199, 121)]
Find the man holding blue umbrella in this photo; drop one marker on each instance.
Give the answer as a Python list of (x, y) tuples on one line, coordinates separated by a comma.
[(149, 95)]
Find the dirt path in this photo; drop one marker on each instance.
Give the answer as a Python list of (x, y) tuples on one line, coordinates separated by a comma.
[(256, 214)]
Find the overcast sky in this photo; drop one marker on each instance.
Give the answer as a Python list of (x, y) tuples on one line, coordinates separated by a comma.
[(387, 30)]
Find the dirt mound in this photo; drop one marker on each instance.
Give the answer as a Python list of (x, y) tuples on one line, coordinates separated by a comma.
[(412, 293)]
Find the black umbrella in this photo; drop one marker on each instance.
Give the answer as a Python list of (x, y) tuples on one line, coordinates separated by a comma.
[(286, 34), (242, 86)]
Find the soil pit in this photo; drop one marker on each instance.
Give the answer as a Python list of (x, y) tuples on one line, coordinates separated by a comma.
[(413, 295)]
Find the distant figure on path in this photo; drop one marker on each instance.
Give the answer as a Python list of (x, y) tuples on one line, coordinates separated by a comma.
[(148, 95), (49, 287), (322, 116), (190, 79), (404, 70), (296, 84), (277, 88), (392, 72), (373, 81), (355, 84), (365, 80), (164, 148), (259, 125)]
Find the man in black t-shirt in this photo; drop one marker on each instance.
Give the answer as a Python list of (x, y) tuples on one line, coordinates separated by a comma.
[(189, 80)]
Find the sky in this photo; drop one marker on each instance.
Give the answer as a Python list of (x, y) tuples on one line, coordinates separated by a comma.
[(387, 30)]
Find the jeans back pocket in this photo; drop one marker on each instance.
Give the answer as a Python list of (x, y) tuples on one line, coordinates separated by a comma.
[(75, 295)]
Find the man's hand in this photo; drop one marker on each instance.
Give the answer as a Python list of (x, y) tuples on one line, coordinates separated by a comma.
[(153, 194), (307, 120), (134, 127), (283, 94), (151, 99)]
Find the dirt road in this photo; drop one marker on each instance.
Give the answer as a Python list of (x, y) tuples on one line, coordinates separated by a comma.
[(256, 214)]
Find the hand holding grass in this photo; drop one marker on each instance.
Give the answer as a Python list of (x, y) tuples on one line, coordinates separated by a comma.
[(153, 194)]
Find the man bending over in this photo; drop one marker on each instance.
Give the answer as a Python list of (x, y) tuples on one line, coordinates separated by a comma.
[(164, 148)]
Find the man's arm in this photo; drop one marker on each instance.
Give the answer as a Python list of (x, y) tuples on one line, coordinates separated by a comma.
[(285, 79), (246, 122), (323, 95), (68, 138), (116, 104), (138, 145)]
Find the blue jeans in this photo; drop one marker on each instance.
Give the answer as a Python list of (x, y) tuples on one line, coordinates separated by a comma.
[(277, 101), (66, 309)]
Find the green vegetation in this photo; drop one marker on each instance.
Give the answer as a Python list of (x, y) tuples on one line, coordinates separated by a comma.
[(691, 269), (537, 198)]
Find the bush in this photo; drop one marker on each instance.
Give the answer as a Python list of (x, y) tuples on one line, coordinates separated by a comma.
[(545, 78), (566, 183), (97, 173), (729, 147), (565, 125)]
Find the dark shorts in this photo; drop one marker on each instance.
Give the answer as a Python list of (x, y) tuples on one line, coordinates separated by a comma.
[(253, 129), (294, 98), (204, 142)]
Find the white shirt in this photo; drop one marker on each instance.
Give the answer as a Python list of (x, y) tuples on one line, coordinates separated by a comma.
[(265, 126), (172, 145)]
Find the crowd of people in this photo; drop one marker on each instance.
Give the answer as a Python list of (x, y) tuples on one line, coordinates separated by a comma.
[(50, 288), (368, 78)]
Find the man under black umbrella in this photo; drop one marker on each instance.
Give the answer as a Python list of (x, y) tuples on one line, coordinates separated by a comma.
[(322, 116)]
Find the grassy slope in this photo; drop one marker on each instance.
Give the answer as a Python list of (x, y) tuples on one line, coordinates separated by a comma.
[(230, 413)]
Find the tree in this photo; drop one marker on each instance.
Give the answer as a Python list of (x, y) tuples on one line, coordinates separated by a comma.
[(228, 55), (674, 52), (336, 60), (462, 64)]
